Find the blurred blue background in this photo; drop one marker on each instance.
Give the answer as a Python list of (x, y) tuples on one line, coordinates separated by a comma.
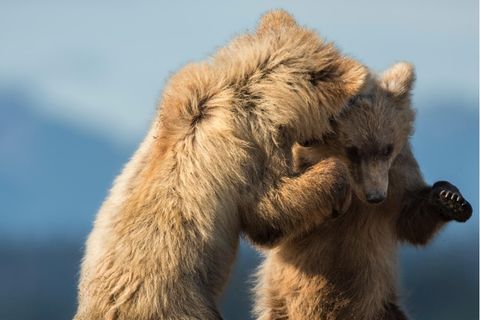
[(79, 82)]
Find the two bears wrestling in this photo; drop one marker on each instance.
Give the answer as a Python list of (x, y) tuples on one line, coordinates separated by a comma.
[(283, 139)]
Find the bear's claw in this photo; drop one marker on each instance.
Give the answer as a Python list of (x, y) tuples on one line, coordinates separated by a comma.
[(456, 207)]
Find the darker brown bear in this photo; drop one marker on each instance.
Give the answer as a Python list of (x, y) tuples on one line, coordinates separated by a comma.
[(345, 267)]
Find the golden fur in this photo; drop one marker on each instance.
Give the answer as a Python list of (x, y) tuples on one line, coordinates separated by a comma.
[(217, 161), (345, 267)]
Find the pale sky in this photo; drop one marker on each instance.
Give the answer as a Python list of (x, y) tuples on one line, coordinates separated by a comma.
[(102, 66)]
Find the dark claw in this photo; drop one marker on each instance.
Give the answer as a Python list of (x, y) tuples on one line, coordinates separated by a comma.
[(454, 206)]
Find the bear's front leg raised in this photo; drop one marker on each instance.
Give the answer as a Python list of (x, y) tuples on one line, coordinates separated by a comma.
[(429, 209), (300, 202)]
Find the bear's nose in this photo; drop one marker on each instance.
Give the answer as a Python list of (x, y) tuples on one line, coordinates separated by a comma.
[(375, 197)]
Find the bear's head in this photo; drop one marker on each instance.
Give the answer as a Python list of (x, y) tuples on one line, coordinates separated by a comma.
[(298, 80), (371, 132), (329, 77)]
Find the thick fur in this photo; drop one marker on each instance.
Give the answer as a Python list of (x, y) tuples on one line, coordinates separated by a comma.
[(217, 161), (345, 267)]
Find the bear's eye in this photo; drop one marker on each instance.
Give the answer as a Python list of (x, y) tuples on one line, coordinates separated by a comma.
[(309, 143), (353, 153), (387, 151)]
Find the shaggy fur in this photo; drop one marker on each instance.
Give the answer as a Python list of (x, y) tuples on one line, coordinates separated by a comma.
[(344, 268), (217, 161)]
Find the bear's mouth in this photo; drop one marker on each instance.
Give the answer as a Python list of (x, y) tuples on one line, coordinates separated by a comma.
[(375, 201)]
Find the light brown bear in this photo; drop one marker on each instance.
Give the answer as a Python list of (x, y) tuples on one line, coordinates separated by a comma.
[(216, 162), (345, 268)]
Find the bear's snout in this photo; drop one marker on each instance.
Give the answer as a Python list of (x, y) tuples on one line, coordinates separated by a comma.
[(376, 197)]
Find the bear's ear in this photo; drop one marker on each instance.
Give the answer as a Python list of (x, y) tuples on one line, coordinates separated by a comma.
[(275, 20), (398, 80)]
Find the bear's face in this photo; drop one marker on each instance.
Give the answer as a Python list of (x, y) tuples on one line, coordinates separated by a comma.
[(374, 129), (371, 132)]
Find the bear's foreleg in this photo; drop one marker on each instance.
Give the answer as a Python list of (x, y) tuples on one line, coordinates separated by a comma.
[(426, 211), (299, 202)]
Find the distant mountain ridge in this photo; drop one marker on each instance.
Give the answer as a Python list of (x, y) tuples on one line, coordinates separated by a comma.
[(53, 177)]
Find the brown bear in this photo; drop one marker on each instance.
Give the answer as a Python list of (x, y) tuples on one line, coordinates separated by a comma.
[(216, 162), (344, 268)]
